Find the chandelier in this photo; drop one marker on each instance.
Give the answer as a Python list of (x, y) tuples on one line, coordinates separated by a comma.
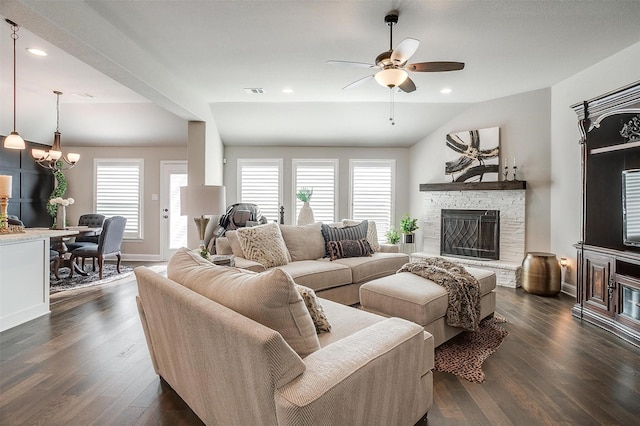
[(54, 158)]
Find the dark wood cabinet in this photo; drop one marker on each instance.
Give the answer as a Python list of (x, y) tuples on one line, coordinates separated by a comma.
[(608, 266)]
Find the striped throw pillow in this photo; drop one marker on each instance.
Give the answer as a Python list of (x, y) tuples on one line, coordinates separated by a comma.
[(349, 248), (356, 232)]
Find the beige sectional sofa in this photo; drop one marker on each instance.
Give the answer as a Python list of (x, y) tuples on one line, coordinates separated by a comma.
[(337, 280), (240, 348)]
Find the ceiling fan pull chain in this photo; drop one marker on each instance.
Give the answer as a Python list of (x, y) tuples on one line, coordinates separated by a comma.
[(391, 108)]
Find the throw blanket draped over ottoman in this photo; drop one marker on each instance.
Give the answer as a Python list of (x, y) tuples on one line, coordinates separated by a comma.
[(463, 288)]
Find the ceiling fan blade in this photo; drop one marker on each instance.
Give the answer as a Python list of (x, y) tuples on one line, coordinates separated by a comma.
[(358, 82), (404, 51), (435, 66), (350, 64), (408, 86)]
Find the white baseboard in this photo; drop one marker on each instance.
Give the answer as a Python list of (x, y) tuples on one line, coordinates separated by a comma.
[(133, 257), (569, 289)]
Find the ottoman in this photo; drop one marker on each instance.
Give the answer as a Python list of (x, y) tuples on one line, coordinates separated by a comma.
[(409, 296)]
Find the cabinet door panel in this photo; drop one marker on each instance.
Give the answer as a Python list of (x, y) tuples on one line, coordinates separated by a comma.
[(597, 273)]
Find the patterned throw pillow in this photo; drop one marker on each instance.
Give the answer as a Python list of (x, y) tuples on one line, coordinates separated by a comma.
[(349, 248), (372, 232), (356, 232), (264, 244), (318, 316)]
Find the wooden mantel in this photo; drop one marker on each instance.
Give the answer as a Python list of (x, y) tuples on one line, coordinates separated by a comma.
[(474, 186)]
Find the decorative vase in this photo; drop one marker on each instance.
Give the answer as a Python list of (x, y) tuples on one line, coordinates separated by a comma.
[(305, 217), (407, 238), (61, 217)]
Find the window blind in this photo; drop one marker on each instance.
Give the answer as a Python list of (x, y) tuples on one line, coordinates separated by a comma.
[(118, 192), (372, 192), (321, 175), (260, 182)]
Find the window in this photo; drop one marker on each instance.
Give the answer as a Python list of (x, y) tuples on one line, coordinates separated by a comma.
[(321, 175), (118, 192), (372, 192), (260, 182)]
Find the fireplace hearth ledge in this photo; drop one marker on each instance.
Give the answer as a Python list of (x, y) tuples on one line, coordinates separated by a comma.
[(507, 274)]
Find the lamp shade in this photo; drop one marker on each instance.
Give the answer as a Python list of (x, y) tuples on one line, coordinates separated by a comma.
[(5, 186), (14, 141), (391, 77), (198, 200)]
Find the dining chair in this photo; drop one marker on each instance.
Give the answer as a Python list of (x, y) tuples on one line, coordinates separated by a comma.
[(92, 220), (54, 259), (109, 243)]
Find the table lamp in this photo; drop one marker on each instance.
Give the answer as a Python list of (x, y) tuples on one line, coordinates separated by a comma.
[(5, 194), (201, 200)]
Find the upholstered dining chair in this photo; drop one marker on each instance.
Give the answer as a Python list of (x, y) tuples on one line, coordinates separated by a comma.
[(109, 243), (54, 259), (92, 220)]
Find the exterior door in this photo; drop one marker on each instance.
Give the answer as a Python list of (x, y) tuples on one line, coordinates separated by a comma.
[(173, 175)]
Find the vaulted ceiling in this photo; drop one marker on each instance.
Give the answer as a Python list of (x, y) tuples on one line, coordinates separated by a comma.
[(152, 65)]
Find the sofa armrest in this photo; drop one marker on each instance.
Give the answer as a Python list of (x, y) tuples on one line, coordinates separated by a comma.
[(374, 376), (389, 248)]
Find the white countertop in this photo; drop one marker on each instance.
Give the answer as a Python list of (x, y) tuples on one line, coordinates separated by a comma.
[(36, 233)]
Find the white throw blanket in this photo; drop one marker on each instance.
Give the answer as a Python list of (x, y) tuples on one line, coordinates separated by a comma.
[(463, 288)]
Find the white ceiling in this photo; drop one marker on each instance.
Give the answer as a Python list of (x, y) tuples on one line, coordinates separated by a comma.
[(152, 65)]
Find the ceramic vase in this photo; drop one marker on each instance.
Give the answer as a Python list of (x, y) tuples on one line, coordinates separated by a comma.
[(61, 217), (305, 217)]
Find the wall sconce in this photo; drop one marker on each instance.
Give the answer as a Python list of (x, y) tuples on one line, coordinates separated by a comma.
[(564, 262)]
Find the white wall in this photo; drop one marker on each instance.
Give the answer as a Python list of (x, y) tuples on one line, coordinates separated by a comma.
[(401, 155), (616, 71), (524, 122)]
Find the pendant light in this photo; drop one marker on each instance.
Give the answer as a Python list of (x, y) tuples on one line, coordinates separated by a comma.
[(14, 141), (54, 159)]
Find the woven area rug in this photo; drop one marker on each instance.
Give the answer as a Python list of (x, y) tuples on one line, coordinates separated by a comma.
[(464, 354), (78, 281)]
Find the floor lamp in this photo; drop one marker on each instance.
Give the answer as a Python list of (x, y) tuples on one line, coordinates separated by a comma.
[(201, 200)]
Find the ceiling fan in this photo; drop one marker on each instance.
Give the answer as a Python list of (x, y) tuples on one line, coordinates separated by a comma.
[(393, 63)]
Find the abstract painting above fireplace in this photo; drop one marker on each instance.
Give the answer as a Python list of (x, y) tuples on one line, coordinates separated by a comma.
[(470, 233)]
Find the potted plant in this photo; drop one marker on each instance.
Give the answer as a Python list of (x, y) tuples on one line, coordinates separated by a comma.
[(392, 236), (305, 216), (407, 226)]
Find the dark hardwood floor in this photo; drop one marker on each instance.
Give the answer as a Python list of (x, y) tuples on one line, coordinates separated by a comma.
[(87, 363)]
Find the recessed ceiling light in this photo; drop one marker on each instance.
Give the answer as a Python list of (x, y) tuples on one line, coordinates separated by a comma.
[(445, 90), (37, 52), (287, 90)]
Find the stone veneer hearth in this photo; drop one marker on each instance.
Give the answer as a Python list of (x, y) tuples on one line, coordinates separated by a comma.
[(510, 203)]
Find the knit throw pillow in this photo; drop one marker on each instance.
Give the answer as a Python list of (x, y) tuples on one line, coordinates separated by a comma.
[(320, 320), (349, 248), (264, 244), (372, 232), (356, 232)]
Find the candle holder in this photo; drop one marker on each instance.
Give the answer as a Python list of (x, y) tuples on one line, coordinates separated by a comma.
[(4, 217), (506, 172), (515, 174)]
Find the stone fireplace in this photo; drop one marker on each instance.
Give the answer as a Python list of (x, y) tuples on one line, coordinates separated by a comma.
[(507, 198)]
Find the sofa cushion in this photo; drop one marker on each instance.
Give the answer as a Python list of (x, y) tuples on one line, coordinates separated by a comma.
[(345, 321), (348, 248), (234, 242), (304, 242), (355, 232), (264, 244), (318, 274), (320, 320), (372, 232), (378, 265), (269, 298)]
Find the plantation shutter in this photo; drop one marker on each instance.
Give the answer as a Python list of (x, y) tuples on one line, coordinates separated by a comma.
[(321, 176), (118, 192), (260, 182), (372, 192)]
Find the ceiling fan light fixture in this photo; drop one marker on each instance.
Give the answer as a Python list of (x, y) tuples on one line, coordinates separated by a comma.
[(391, 77)]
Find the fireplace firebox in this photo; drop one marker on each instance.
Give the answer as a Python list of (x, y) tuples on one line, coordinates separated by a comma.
[(470, 233)]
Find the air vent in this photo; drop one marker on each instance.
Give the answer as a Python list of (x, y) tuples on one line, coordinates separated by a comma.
[(254, 90)]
